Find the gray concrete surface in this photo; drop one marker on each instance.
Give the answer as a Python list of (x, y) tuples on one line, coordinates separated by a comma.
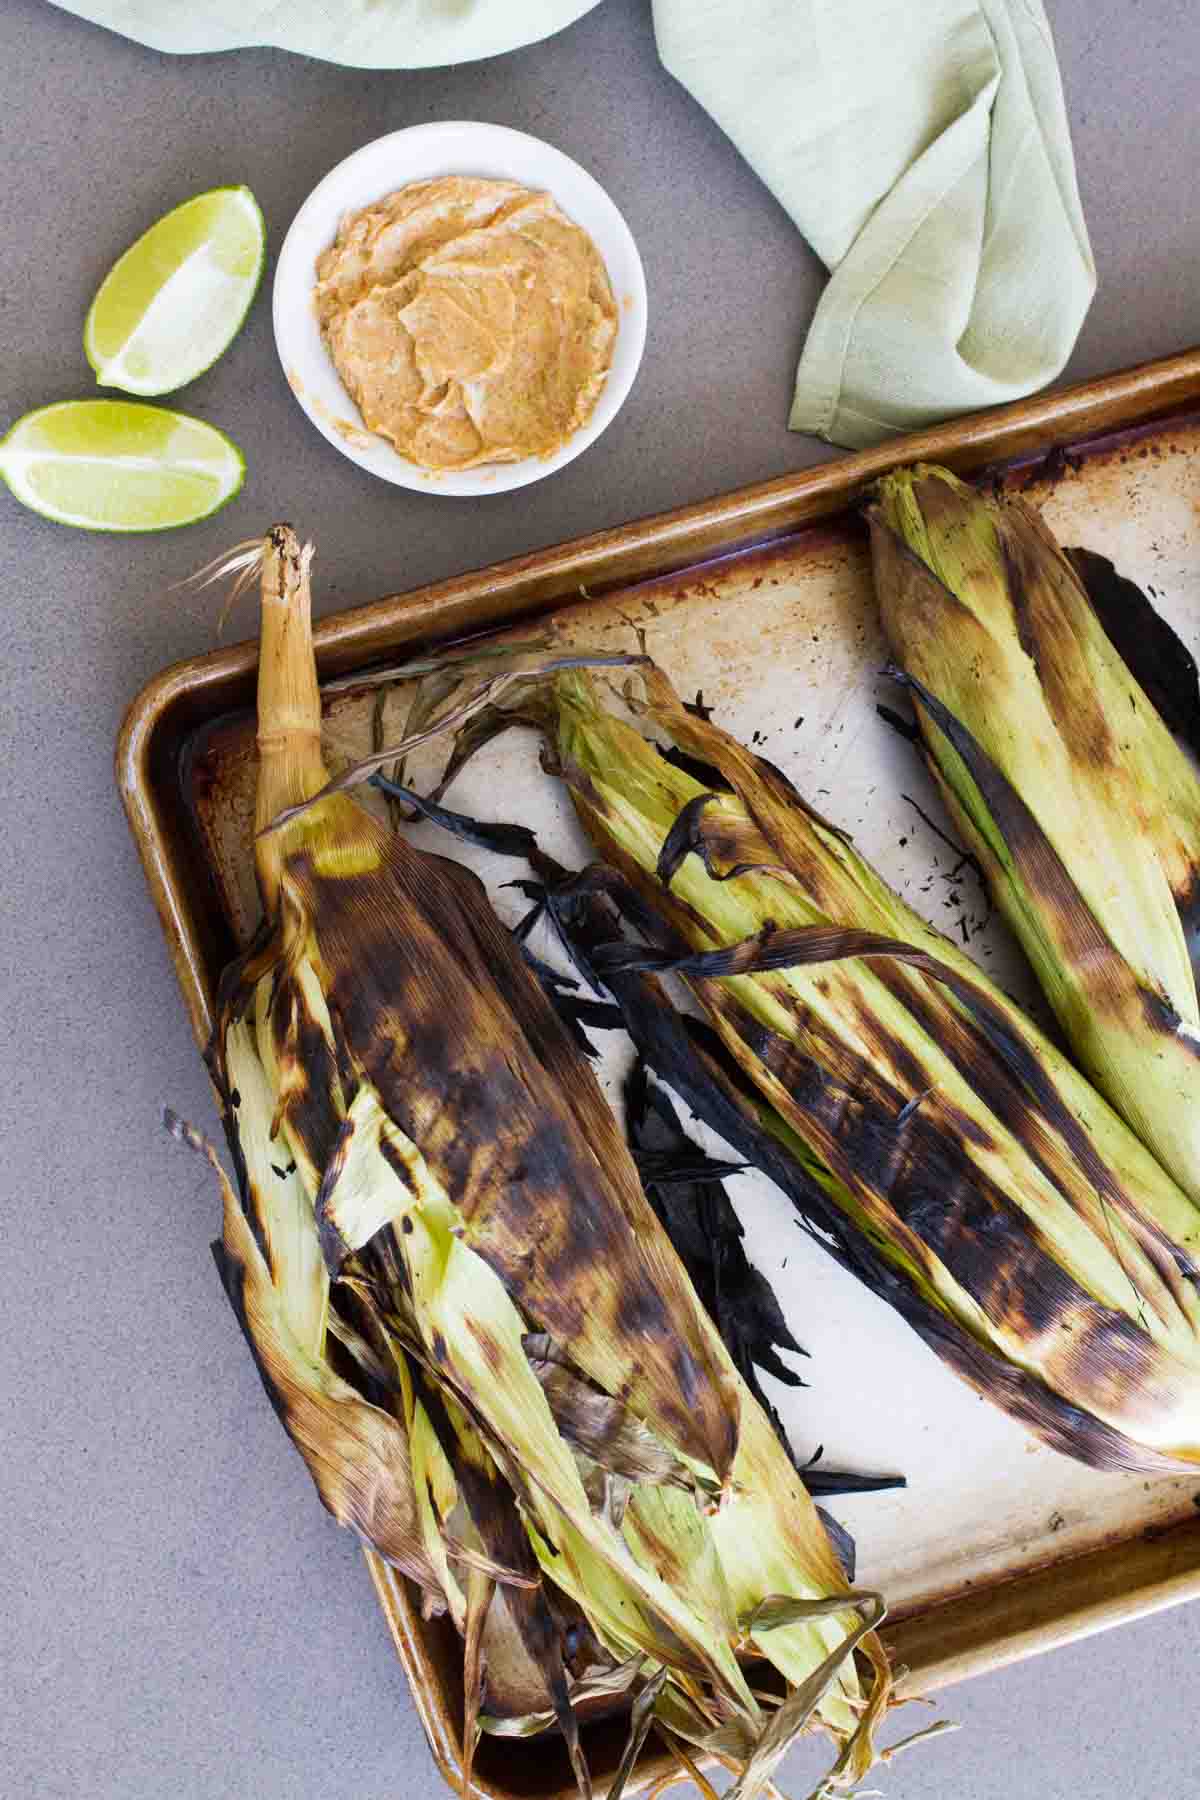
[(181, 1620)]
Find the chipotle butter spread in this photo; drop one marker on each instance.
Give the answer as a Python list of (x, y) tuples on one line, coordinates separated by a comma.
[(471, 320)]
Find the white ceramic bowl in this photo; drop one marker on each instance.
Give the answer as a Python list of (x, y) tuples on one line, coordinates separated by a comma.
[(418, 154)]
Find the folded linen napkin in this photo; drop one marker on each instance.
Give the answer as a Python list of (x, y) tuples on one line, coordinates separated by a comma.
[(366, 34), (922, 148)]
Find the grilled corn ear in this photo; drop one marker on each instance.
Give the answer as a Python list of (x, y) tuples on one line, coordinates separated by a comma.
[(965, 1167), (435, 1197), (1063, 780)]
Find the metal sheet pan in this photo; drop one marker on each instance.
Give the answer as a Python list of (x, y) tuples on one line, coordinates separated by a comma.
[(762, 601)]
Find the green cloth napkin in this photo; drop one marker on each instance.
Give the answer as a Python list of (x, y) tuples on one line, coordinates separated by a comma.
[(366, 34), (922, 148)]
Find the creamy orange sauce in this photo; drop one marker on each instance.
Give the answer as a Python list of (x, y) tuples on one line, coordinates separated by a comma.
[(471, 321)]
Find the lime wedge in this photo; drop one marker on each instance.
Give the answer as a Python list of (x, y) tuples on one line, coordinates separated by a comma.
[(177, 298), (112, 465)]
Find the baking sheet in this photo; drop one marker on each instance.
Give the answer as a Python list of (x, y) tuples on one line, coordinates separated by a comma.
[(784, 645)]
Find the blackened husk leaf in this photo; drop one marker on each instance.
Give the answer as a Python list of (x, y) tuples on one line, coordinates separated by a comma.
[(690, 1166), (504, 840), (707, 1234), (1152, 651), (842, 1540), (700, 771), (905, 728), (1161, 663), (577, 1011)]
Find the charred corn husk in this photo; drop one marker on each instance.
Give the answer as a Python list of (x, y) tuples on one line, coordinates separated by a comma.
[(465, 1311), (960, 1163), (1063, 780)]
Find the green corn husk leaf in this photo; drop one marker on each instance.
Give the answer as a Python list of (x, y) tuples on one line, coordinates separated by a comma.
[(966, 1168), (270, 1265), (461, 1199), (1063, 780), (793, 1715)]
